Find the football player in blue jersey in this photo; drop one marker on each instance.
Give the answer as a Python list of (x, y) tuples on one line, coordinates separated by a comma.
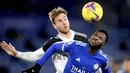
[(84, 57)]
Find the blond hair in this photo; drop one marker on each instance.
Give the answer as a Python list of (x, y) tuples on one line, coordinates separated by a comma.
[(55, 12)]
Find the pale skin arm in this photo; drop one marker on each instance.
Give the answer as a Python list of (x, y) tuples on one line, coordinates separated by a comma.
[(26, 56), (8, 48)]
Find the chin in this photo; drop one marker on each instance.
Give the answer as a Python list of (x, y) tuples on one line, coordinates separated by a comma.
[(66, 31), (94, 45)]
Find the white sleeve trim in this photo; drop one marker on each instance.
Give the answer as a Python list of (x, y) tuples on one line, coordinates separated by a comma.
[(63, 47), (106, 67), (31, 56)]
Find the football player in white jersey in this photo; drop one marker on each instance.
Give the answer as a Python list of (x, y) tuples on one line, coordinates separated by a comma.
[(60, 22)]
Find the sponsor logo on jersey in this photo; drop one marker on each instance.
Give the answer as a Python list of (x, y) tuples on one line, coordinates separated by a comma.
[(75, 69)]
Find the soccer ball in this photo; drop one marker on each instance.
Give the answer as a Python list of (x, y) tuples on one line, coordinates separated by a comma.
[(92, 12)]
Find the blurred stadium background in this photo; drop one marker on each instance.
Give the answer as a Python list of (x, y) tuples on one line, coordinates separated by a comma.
[(26, 25)]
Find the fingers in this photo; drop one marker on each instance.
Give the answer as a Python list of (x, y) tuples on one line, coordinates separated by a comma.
[(8, 48), (4, 45), (13, 49), (11, 45)]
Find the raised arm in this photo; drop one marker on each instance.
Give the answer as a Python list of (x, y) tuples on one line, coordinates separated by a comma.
[(57, 47), (30, 56)]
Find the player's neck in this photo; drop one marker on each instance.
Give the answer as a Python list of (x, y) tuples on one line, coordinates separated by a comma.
[(66, 35), (92, 51)]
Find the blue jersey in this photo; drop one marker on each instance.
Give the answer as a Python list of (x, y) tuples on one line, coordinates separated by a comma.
[(80, 60)]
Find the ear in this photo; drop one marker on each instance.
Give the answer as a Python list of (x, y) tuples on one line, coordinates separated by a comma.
[(54, 25)]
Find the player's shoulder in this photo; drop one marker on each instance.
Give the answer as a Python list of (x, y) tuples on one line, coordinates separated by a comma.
[(54, 38), (66, 43), (103, 55), (81, 37), (51, 41), (79, 34)]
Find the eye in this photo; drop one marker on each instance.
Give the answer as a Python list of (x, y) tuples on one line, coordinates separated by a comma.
[(59, 21), (100, 37)]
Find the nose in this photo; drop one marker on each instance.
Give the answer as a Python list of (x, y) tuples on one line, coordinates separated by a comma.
[(63, 22), (96, 38)]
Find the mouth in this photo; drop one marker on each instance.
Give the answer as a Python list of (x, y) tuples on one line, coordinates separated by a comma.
[(65, 27)]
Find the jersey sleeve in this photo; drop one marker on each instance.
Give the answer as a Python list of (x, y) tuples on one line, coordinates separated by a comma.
[(48, 43), (63, 46), (67, 46), (81, 37), (105, 67), (107, 70), (47, 55), (56, 47), (31, 56)]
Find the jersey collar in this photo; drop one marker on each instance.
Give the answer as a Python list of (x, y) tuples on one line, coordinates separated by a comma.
[(65, 39)]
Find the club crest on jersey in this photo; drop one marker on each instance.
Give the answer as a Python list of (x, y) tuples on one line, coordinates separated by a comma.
[(95, 66)]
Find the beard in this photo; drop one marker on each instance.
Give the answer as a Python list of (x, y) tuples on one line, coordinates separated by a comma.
[(96, 48)]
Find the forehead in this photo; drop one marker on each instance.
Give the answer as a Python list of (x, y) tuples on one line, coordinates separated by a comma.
[(60, 16), (100, 34)]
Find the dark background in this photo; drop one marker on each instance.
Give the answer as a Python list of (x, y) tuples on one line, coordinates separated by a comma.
[(26, 25)]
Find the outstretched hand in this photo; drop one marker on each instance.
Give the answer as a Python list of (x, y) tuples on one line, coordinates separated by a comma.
[(9, 48)]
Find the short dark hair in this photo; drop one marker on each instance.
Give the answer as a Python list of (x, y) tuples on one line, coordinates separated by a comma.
[(105, 32)]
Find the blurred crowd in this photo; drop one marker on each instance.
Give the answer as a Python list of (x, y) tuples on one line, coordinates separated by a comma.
[(121, 66)]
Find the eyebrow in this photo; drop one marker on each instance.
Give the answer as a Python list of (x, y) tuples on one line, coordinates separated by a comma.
[(64, 16)]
